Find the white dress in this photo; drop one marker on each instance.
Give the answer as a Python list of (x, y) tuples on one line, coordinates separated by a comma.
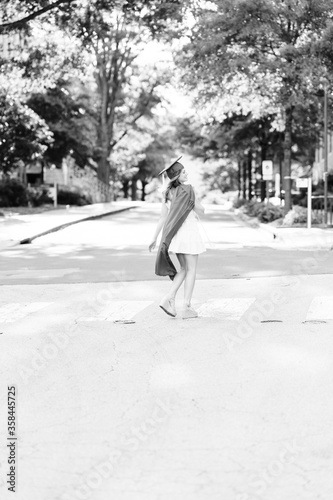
[(189, 238)]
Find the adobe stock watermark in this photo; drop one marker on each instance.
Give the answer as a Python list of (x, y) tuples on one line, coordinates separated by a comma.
[(260, 482), (264, 309), (57, 342), (93, 479)]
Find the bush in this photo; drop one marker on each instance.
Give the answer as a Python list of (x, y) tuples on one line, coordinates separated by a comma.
[(13, 193), (264, 213), (254, 207), (239, 202), (298, 215), (67, 197), (38, 196), (269, 213)]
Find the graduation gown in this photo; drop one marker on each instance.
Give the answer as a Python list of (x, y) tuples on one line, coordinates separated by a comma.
[(182, 203)]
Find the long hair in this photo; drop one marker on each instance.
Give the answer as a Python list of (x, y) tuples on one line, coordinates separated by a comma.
[(172, 184)]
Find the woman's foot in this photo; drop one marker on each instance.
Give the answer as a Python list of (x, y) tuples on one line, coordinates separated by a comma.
[(188, 313), (168, 306)]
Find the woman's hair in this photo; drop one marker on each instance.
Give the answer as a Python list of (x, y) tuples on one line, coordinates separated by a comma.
[(172, 184)]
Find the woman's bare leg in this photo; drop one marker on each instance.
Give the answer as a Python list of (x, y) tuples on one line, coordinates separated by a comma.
[(179, 278), (168, 302), (191, 271)]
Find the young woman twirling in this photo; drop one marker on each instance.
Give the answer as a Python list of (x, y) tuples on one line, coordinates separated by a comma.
[(181, 235)]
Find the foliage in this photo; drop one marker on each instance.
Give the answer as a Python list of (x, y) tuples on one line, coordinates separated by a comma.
[(144, 154), (71, 121), (274, 50), (265, 213), (72, 197), (269, 213), (220, 175), (23, 134), (28, 11), (12, 193), (239, 202), (113, 35), (99, 43), (36, 60), (38, 196), (298, 215)]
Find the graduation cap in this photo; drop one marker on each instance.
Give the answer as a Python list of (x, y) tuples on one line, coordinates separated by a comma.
[(173, 170)]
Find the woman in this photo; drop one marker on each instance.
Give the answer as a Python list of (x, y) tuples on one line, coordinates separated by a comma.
[(181, 235)]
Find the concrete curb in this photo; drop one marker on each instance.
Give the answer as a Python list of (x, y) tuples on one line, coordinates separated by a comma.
[(26, 241), (270, 229), (253, 222)]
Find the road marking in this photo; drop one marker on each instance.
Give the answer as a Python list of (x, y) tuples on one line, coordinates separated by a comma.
[(15, 311), (228, 309), (320, 308), (119, 310)]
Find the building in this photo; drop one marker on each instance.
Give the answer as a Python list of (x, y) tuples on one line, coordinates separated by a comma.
[(319, 164)]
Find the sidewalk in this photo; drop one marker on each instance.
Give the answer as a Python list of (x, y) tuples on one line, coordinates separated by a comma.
[(20, 229), (316, 238)]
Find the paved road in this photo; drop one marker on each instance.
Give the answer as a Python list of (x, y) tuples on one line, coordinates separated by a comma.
[(117, 400), (115, 248)]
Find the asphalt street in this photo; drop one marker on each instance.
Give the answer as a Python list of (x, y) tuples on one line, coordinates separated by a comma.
[(117, 400), (116, 248)]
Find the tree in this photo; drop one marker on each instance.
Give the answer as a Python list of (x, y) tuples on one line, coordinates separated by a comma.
[(115, 33), (23, 134), (103, 39), (143, 155), (27, 11), (267, 41), (36, 61), (71, 121), (151, 163)]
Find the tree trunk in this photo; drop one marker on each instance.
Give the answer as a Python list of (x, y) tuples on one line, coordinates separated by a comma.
[(126, 188), (249, 172), (239, 178), (103, 170), (244, 179), (263, 183), (287, 159), (134, 189), (143, 193)]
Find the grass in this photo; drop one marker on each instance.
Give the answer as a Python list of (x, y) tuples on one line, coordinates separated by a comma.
[(10, 211)]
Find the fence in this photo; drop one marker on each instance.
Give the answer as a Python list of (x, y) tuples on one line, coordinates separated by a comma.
[(318, 208), (86, 180)]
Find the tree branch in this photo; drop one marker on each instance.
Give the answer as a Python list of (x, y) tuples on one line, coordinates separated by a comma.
[(7, 27), (133, 122)]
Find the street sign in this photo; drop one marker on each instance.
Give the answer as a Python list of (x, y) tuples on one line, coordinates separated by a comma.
[(302, 183), (53, 193), (267, 170), (53, 176)]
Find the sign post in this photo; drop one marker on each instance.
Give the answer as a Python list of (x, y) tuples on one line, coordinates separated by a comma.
[(309, 202), (267, 175), (55, 195), (277, 186), (53, 191), (306, 182), (53, 176)]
